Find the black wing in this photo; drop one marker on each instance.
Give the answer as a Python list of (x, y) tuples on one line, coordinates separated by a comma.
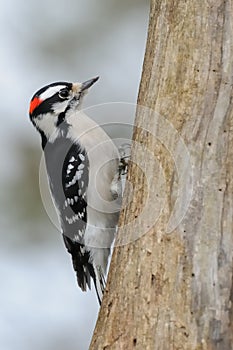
[(74, 183), (68, 167)]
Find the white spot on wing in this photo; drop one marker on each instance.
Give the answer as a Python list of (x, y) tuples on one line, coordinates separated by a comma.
[(72, 219), (76, 177), (81, 156), (80, 232), (82, 250), (79, 174)]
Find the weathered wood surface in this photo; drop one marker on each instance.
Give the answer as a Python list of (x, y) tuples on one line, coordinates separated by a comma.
[(174, 290)]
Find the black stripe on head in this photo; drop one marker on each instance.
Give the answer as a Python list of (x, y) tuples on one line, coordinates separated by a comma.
[(46, 105), (43, 89)]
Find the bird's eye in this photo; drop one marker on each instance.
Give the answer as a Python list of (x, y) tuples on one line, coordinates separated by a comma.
[(64, 93)]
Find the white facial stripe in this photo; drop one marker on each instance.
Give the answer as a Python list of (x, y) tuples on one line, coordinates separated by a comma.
[(48, 126), (51, 91), (59, 107)]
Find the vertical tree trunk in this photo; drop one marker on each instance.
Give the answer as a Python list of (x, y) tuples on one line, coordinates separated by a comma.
[(170, 282)]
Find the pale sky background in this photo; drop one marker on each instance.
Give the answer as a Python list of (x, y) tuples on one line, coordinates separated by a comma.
[(41, 306)]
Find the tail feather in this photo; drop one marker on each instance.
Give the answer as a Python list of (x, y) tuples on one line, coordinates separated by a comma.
[(99, 282), (85, 269)]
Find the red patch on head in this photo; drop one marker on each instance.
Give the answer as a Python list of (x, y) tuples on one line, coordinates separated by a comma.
[(34, 104)]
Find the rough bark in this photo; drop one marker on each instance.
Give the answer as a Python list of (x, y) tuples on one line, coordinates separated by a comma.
[(172, 288)]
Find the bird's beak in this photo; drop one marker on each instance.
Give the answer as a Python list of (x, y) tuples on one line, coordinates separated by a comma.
[(88, 83)]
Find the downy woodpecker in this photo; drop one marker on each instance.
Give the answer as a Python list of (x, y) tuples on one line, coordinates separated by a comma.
[(82, 166)]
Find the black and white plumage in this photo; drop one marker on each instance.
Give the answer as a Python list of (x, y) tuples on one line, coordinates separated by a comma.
[(83, 171)]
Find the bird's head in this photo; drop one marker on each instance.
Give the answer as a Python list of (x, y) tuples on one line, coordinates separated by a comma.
[(51, 104)]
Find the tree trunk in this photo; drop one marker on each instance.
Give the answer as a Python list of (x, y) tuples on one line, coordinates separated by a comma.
[(170, 282)]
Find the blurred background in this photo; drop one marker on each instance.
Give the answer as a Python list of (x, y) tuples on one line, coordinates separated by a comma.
[(44, 41)]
